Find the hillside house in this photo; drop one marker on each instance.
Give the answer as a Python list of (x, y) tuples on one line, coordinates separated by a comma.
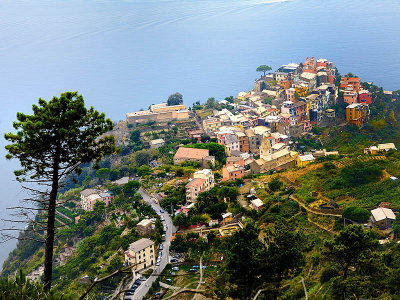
[(350, 96), (256, 204), (243, 141), (365, 97), (234, 168), (303, 160), (159, 113), (203, 180), (357, 114), (354, 82), (383, 216), (90, 196), (144, 227), (155, 144), (140, 254), (211, 125), (193, 154)]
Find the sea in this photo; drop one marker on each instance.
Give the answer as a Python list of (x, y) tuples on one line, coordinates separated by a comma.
[(123, 55)]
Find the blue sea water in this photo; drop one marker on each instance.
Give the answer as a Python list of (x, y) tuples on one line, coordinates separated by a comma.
[(123, 55)]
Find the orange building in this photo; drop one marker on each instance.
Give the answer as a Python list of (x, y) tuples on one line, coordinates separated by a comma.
[(352, 81), (285, 84), (234, 168), (244, 145), (357, 114)]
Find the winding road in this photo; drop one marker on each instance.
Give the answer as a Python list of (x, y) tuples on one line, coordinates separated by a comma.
[(145, 286)]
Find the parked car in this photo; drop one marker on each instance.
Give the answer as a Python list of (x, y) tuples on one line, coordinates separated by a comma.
[(161, 246), (161, 211), (142, 278), (159, 253), (175, 268), (192, 270), (157, 263), (168, 280), (157, 295)]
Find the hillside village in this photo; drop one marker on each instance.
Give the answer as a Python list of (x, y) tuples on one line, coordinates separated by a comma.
[(188, 179)]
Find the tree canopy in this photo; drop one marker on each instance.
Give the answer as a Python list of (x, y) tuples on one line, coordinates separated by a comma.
[(347, 248), (263, 68), (131, 187), (52, 143), (357, 214), (175, 99)]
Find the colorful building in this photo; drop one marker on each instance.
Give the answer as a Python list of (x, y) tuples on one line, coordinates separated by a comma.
[(365, 97), (290, 94), (354, 82), (243, 141), (350, 96), (229, 140), (90, 196), (192, 154), (211, 125), (234, 168), (357, 114), (303, 160), (140, 254)]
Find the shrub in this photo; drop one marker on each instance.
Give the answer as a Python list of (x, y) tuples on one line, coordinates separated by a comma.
[(275, 184), (328, 274), (357, 214)]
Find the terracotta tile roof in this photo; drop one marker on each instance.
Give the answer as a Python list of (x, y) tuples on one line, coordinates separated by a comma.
[(191, 153), (196, 183)]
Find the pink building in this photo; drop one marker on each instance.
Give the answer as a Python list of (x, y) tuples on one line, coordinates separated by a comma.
[(90, 196), (350, 96), (229, 140), (234, 169), (290, 94)]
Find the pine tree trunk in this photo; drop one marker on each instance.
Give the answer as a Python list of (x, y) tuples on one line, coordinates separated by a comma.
[(51, 216)]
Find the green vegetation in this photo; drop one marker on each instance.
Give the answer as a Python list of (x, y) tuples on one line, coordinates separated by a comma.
[(22, 288), (52, 143), (357, 214), (216, 150), (264, 69), (361, 182), (175, 99)]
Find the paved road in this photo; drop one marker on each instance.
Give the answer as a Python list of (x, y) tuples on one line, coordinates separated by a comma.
[(145, 286)]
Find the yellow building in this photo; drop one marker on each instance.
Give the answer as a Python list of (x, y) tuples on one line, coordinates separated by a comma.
[(303, 160), (211, 125), (357, 113), (163, 107), (242, 96), (140, 254)]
